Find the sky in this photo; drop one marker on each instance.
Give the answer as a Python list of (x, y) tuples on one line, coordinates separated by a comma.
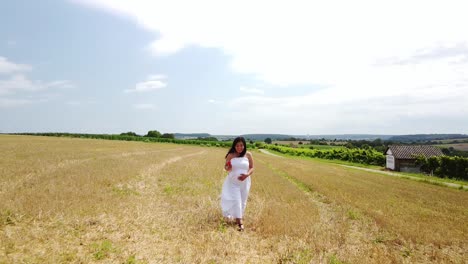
[(234, 67)]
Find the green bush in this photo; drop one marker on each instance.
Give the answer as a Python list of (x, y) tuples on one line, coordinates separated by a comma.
[(259, 144), (365, 156), (445, 166)]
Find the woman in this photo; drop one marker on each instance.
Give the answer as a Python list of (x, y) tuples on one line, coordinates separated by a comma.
[(239, 164)]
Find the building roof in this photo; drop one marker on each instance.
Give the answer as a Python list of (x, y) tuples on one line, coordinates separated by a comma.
[(409, 152)]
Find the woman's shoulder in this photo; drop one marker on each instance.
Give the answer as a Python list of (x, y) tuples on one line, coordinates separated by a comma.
[(248, 154)]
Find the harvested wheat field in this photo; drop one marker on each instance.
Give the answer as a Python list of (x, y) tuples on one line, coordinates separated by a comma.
[(68, 200)]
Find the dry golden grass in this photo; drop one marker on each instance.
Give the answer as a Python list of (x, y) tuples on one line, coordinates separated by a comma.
[(428, 222), (84, 201)]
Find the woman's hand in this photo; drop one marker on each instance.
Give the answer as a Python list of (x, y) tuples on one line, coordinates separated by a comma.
[(228, 166), (242, 177)]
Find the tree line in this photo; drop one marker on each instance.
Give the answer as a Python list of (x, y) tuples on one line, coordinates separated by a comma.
[(130, 136), (151, 133)]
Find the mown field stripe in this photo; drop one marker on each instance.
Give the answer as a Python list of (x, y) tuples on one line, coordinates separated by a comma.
[(438, 181), (302, 186)]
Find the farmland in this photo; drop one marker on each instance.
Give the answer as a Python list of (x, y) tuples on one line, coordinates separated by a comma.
[(83, 200), (457, 146), (305, 144)]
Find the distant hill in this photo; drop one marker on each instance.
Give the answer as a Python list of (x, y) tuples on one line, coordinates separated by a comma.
[(308, 137), (190, 135), (426, 137), (351, 136), (261, 137), (370, 137)]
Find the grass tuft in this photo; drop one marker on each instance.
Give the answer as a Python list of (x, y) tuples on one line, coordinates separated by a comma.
[(379, 239), (300, 256), (7, 217), (131, 260), (102, 250), (353, 215), (124, 190), (406, 252), (333, 259)]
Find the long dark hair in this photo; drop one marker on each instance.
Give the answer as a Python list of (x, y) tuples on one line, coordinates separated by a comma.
[(233, 147)]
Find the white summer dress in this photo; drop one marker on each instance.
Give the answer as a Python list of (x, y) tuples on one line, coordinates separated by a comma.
[(235, 192)]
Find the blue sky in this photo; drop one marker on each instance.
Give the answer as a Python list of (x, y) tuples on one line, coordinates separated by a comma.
[(222, 67)]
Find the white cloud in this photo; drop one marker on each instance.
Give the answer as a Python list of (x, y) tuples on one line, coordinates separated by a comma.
[(7, 66), (20, 82), (62, 84), (144, 106), (152, 83), (314, 42), (15, 81), (361, 53), (316, 113), (215, 101), (251, 90)]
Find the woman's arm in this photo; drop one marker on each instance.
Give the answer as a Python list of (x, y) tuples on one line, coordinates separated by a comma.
[(244, 176), (227, 164), (251, 163)]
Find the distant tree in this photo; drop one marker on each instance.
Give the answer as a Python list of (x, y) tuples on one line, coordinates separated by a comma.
[(446, 151), (251, 142), (129, 134), (153, 133), (268, 140), (380, 149), (377, 142), (300, 143), (168, 135)]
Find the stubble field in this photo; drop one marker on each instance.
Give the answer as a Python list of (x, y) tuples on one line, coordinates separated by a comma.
[(94, 201)]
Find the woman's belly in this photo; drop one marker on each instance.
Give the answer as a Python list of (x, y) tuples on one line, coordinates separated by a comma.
[(234, 175)]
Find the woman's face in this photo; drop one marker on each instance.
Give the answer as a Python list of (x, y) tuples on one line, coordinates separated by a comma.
[(239, 147)]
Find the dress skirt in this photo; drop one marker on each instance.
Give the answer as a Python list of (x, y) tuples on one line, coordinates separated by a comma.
[(235, 192)]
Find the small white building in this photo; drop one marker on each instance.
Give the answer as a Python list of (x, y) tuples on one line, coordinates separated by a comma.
[(403, 157)]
